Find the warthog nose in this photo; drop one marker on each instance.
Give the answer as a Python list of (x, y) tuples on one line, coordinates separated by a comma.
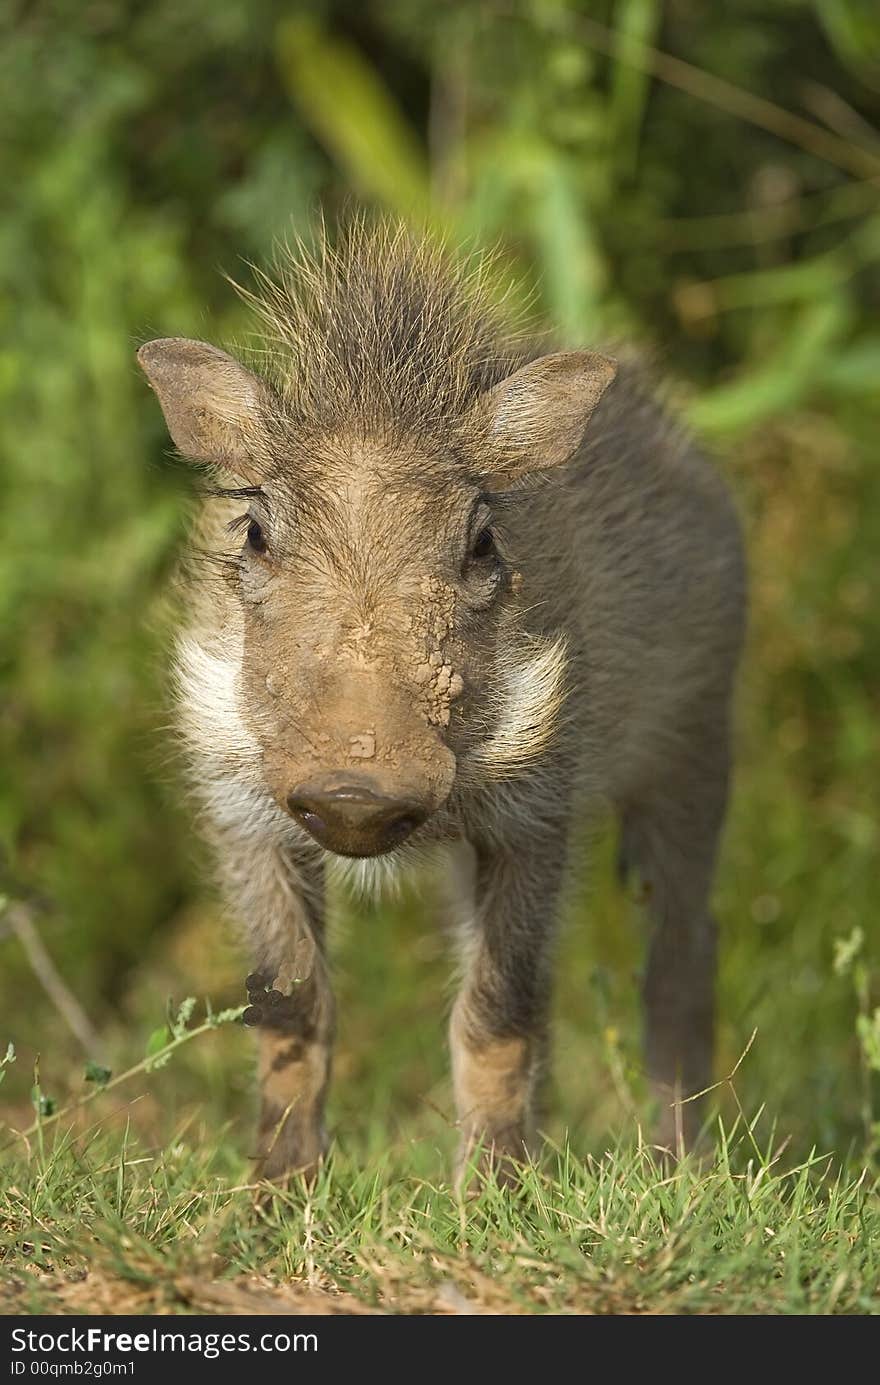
[(353, 819)]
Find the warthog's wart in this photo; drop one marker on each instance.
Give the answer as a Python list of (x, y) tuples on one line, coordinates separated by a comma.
[(464, 595)]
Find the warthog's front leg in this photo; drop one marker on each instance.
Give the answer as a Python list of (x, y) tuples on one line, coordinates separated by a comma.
[(291, 1003), (498, 1030), (296, 1032)]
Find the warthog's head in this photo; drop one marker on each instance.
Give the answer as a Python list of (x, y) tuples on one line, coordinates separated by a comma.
[(373, 454)]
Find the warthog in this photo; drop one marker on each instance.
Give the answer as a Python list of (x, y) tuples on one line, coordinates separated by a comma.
[(464, 594)]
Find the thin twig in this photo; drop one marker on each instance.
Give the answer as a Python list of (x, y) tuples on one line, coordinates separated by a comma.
[(22, 924), (760, 224)]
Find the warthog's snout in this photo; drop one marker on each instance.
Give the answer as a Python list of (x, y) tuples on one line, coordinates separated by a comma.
[(354, 818)]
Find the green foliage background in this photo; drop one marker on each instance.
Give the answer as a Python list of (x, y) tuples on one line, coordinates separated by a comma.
[(151, 148)]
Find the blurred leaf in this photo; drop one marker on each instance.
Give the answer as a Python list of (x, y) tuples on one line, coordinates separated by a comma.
[(856, 369), (868, 1028), (570, 261), (94, 1072), (785, 381), (853, 26), (352, 112), (158, 1040), (636, 23), (847, 949), (42, 1104)]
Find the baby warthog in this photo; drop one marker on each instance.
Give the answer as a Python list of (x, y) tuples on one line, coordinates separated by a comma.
[(462, 594)]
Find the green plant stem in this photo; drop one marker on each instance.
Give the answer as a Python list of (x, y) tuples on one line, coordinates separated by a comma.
[(145, 1065)]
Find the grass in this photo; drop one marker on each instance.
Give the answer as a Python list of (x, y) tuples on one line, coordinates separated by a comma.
[(95, 1216), (106, 1224)]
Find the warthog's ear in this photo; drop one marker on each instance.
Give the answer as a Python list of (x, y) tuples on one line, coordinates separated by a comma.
[(537, 417), (213, 406)]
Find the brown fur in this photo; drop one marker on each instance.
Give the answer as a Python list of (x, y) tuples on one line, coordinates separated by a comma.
[(584, 661), (494, 1081), (293, 1083)]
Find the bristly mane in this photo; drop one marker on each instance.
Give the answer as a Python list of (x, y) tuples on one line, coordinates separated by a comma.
[(381, 331)]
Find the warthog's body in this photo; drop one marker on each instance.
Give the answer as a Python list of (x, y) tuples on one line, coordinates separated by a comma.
[(463, 605)]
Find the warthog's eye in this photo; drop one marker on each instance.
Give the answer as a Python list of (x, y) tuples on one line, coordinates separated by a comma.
[(483, 545), (255, 537), (482, 567)]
